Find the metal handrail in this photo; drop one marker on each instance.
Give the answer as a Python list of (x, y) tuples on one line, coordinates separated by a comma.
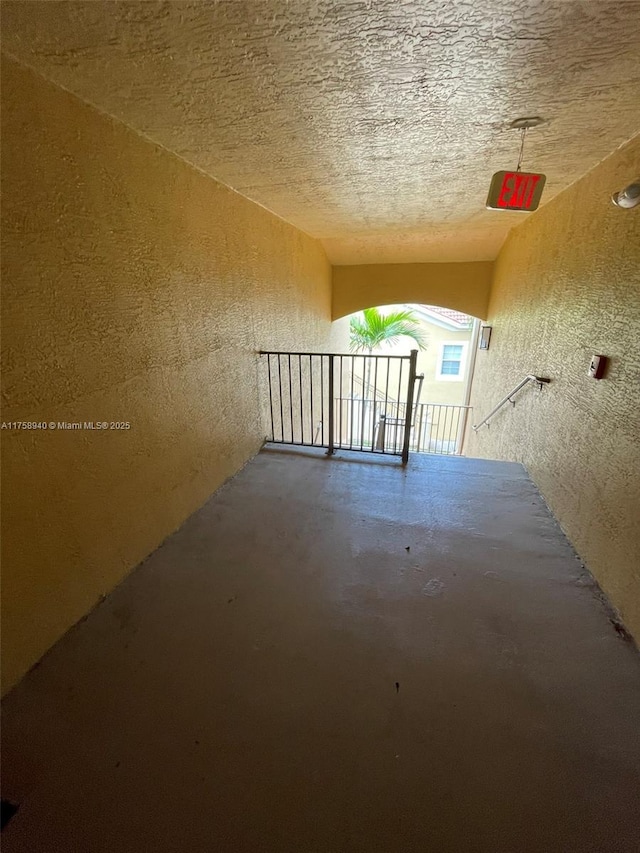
[(541, 380)]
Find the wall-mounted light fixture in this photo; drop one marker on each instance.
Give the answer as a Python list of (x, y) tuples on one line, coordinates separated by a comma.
[(629, 196), (485, 337)]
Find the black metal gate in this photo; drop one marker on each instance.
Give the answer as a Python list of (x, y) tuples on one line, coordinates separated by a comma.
[(342, 402)]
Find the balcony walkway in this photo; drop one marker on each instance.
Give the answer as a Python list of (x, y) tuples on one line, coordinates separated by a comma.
[(335, 656)]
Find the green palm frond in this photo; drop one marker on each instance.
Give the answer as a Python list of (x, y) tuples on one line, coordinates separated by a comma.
[(372, 329)]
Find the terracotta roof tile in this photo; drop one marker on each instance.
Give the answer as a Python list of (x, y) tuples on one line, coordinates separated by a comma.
[(450, 314)]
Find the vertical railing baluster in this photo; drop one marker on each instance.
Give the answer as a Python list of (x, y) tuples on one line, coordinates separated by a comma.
[(425, 428), (443, 444), (386, 405), (465, 417), (433, 439), (447, 423), (365, 391), (313, 439), (375, 406), (331, 450), (340, 441), (353, 370), (454, 433), (374, 421), (322, 400), (397, 417), (290, 399), (409, 405), (301, 407), (281, 403), (435, 426), (443, 448), (270, 395), (454, 423)]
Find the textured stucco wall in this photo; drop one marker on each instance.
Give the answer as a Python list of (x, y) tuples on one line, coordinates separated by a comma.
[(567, 285), (135, 289), (463, 286)]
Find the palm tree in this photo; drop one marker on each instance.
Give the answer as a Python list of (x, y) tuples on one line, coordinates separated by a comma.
[(373, 329)]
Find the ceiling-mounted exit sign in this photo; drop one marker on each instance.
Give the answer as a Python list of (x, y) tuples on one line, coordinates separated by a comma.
[(515, 191)]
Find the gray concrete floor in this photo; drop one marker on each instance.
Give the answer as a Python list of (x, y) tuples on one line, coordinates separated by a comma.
[(339, 655)]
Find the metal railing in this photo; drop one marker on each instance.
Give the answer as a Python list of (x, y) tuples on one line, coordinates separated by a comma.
[(349, 402), (313, 400), (440, 428), (541, 380), (435, 428)]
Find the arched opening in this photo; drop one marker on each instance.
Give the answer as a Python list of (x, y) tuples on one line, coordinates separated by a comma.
[(446, 342)]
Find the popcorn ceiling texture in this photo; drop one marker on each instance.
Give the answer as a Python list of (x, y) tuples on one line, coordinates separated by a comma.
[(373, 125), (135, 289), (566, 287)]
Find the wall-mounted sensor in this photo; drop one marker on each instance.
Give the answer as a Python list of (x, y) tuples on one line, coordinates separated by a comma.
[(628, 197), (597, 366)]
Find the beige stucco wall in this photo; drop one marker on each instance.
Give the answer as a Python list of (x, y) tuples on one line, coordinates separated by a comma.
[(135, 289), (435, 390), (567, 285), (463, 286)]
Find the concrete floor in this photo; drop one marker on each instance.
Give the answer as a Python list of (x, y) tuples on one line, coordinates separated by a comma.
[(339, 655)]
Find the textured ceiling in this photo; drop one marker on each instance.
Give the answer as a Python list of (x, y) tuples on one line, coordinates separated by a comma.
[(373, 124)]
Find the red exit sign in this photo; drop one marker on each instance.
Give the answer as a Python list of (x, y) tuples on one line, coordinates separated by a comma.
[(515, 191)]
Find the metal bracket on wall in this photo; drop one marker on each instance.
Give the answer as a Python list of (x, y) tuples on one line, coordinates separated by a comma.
[(531, 377), (542, 381)]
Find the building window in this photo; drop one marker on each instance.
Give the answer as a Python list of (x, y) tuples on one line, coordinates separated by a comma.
[(451, 362)]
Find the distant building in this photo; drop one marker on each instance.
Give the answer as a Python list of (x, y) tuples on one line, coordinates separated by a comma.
[(446, 360)]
